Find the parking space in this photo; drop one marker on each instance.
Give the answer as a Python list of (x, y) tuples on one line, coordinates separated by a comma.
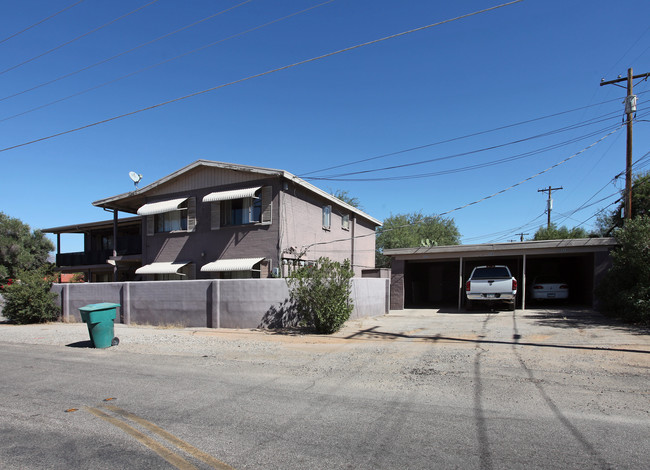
[(435, 277)]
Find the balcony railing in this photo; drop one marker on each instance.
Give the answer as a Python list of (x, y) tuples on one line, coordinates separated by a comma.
[(125, 246), (83, 258)]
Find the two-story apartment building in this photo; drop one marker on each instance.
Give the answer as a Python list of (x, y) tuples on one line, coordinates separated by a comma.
[(219, 220)]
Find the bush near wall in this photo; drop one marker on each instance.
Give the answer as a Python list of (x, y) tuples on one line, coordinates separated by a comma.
[(29, 300), (322, 294)]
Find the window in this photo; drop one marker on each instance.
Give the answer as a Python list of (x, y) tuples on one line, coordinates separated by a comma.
[(170, 216), (107, 242), (243, 211), (345, 222), (327, 217), (240, 207), (171, 221)]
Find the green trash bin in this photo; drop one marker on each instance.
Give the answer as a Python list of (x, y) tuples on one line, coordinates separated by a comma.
[(100, 319)]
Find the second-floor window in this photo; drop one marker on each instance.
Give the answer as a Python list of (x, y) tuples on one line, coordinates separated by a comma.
[(171, 221), (345, 222), (327, 217), (244, 206), (243, 211), (174, 215)]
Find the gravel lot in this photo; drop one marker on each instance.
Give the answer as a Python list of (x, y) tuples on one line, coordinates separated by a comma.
[(574, 330)]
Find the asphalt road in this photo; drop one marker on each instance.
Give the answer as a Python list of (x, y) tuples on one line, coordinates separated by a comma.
[(414, 389)]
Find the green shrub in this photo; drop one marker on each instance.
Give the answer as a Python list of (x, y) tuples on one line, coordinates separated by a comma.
[(322, 294), (625, 289), (29, 300)]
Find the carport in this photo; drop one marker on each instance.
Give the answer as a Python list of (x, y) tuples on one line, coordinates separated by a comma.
[(434, 277)]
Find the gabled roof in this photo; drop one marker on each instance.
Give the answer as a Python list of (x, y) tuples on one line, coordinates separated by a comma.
[(129, 202)]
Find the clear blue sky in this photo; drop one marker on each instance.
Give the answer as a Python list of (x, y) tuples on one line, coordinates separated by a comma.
[(518, 63)]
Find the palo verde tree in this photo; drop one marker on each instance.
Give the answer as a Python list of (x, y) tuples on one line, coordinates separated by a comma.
[(414, 230), (321, 294), (21, 249)]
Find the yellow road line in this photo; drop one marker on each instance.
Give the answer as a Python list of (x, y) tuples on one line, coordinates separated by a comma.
[(190, 449), (171, 457)]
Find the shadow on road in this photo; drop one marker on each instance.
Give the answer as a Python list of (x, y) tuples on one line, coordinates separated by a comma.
[(372, 333), (580, 437)]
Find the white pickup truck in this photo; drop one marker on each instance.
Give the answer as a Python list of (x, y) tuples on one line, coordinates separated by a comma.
[(489, 283)]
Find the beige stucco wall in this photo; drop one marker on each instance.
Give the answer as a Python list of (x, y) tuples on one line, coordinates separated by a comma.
[(302, 229)]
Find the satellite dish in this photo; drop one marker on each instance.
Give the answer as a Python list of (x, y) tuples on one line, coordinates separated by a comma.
[(135, 177)]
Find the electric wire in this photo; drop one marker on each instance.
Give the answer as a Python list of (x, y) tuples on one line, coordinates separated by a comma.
[(441, 214), (502, 233), (103, 61), (77, 38), (535, 175), (250, 77), (628, 51), (454, 139), (639, 163), (250, 30), (339, 177), (39, 22), (468, 167), (490, 163)]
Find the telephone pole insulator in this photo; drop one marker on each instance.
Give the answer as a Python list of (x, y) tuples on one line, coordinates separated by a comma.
[(549, 204)]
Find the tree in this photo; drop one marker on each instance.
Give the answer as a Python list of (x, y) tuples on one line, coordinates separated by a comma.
[(625, 289), (322, 294), (640, 205), (29, 299), (554, 233), (20, 248), (414, 230), (345, 197)]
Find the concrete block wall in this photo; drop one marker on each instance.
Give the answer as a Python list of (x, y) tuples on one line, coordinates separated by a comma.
[(236, 303)]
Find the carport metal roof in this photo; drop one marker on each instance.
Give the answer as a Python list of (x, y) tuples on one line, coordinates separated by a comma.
[(541, 247)]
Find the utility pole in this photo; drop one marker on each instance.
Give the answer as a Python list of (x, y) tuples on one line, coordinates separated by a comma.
[(630, 110), (521, 236), (550, 202)]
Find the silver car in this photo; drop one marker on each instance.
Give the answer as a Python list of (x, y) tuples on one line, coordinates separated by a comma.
[(544, 287)]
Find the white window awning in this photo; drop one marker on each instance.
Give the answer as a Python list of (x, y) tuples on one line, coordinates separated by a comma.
[(230, 195), (228, 265), (162, 268), (161, 207)]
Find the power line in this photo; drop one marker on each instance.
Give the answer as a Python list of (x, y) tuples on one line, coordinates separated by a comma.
[(468, 167), (83, 69), (77, 38), (268, 72), (339, 177), (535, 175), (441, 214), (250, 30), (39, 22), (503, 233), (459, 138), (477, 165)]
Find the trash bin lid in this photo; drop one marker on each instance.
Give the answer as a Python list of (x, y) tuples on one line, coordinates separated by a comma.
[(100, 306)]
